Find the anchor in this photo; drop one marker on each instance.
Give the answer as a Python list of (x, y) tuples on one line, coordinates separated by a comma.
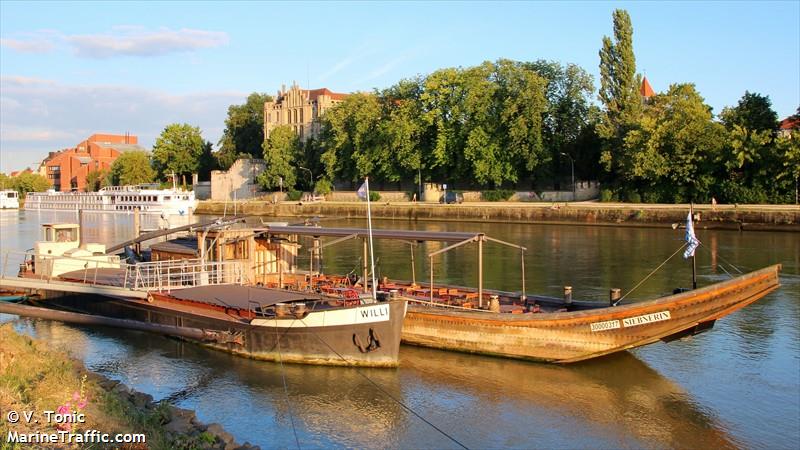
[(374, 342)]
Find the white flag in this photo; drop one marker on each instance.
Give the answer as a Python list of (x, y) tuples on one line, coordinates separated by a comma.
[(691, 239), (362, 191)]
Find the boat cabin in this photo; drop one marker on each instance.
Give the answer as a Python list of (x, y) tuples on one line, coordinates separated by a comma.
[(61, 251), (9, 199), (265, 258)]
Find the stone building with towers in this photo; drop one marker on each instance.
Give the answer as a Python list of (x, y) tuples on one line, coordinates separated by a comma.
[(300, 109)]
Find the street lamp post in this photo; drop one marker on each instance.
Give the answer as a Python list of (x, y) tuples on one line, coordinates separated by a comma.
[(572, 166)]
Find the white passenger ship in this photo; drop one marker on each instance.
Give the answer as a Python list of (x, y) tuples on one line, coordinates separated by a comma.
[(9, 199), (116, 199)]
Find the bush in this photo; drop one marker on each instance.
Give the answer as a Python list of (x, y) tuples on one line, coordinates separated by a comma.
[(293, 195), (323, 187), (606, 195), (497, 195), (374, 196), (652, 197), (634, 197)]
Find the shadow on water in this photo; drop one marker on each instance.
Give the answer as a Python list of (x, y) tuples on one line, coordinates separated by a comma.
[(617, 401)]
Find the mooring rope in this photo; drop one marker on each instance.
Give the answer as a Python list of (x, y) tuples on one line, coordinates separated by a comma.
[(378, 387), (285, 387), (651, 274)]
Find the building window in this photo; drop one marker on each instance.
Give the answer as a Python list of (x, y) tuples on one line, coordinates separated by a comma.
[(301, 120)]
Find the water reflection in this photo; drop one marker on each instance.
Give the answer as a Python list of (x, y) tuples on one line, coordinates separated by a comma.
[(486, 402)]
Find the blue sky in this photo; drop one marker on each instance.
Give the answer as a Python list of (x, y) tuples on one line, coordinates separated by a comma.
[(70, 69)]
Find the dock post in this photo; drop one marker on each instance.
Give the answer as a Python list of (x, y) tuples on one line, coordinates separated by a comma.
[(413, 269), (568, 295), (80, 228), (614, 295), (431, 286), (137, 229), (480, 271), (364, 265)]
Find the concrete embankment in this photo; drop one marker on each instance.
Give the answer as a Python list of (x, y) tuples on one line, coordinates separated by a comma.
[(733, 217)]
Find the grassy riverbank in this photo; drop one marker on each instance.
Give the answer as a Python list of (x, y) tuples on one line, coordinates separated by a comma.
[(36, 377), (735, 217)]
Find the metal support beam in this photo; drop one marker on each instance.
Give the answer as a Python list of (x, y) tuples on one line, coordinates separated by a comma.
[(505, 243), (480, 272), (458, 244), (524, 296), (413, 269), (364, 265), (431, 285)]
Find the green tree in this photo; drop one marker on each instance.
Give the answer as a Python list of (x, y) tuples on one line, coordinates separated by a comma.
[(95, 180), (29, 182), (279, 153), (178, 149), (244, 131), (207, 163), (566, 124), (619, 89), (673, 152), (788, 147), (351, 145), (131, 168), (753, 112), (5, 181)]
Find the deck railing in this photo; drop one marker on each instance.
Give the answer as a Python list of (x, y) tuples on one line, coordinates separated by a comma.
[(178, 274), (157, 276)]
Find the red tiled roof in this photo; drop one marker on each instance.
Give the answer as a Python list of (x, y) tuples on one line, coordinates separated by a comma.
[(646, 90), (314, 93), (790, 123)]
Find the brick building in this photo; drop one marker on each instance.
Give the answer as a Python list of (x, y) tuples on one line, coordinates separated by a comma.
[(68, 168), (300, 108)]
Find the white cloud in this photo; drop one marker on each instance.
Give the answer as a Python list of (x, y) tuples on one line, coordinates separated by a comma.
[(38, 116), (123, 40), (133, 41), (359, 53), (387, 66), (36, 45)]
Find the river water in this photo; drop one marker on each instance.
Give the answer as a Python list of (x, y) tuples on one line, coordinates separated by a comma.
[(736, 386)]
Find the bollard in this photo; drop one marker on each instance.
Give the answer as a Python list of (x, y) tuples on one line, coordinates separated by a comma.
[(614, 295), (494, 304), (568, 295)]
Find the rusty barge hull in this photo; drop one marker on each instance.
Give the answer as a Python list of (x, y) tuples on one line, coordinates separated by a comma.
[(371, 344), (565, 337)]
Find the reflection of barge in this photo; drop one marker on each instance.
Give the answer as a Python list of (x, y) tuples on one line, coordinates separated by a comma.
[(147, 198)]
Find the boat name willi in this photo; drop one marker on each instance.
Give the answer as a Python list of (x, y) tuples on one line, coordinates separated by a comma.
[(630, 321)]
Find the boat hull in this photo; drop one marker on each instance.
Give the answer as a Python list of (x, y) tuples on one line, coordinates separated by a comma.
[(565, 337), (291, 340)]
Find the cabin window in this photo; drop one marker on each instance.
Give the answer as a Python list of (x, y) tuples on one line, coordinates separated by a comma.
[(166, 197)]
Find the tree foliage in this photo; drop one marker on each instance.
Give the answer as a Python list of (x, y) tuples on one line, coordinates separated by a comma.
[(619, 89), (28, 182), (279, 155), (178, 149), (97, 179), (244, 131), (131, 168), (753, 112)]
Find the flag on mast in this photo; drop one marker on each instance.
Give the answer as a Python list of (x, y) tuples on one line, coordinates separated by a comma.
[(691, 240), (363, 191)]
